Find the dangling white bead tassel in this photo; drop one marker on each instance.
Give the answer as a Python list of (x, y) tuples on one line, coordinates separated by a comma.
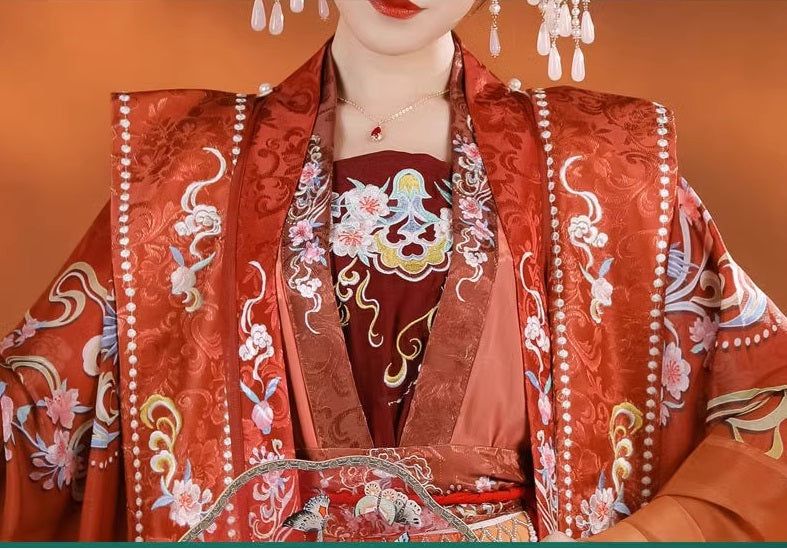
[(276, 26), (494, 42), (578, 65), (588, 29), (555, 65), (564, 21), (296, 6), (544, 42), (324, 10), (258, 21), (494, 37)]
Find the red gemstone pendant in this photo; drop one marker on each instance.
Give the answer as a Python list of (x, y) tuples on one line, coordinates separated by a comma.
[(376, 134)]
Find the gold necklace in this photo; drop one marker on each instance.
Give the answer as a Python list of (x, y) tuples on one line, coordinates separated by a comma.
[(377, 132)]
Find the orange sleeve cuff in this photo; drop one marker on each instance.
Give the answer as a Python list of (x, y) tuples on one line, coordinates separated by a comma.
[(724, 491)]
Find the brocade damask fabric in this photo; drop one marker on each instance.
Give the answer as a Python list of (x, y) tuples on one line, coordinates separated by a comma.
[(596, 348)]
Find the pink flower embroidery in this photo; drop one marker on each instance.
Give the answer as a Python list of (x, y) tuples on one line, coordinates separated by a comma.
[(312, 253), (481, 231), (599, 509), (601, 290), (689, 204), (301, 232), (183, 280), (60, 407), (351, 238), (675, 371), (483, 484), (262, 416), (7, 408), (6, 343), (547, 459), (470, 208), (187, 502), (545, 408), (311, 171), (372, 205), (470, 150), (28, 330), (703, 331), (59, 455), (663, 414)]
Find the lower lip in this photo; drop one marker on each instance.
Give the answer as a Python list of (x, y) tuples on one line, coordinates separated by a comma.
[(396, 8)]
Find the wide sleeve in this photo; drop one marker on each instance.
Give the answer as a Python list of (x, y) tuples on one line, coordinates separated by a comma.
[(725, 362), (62, 478)]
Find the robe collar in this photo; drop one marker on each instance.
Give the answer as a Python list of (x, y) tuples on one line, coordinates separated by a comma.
[(285, 178), (457, 326)]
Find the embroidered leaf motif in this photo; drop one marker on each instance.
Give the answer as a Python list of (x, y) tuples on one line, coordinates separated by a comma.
[(621, 508), (533, 380), (271, 389), (249, 393), (177, 256), (164, 500), (22, 413), (604, 269)]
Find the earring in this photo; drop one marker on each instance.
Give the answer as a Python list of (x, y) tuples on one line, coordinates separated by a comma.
[(558, 20), (494, 37), (276, 23)]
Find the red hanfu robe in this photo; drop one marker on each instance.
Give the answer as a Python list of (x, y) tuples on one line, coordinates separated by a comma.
[(595, 349)]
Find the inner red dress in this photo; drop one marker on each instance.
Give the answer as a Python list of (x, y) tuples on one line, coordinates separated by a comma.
[(390, 249)]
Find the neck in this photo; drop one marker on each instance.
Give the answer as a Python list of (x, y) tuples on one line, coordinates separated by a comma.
[(385, 82)]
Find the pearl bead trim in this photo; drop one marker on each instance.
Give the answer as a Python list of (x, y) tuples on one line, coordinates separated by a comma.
[(130, 291), (656, 314), (557, 290), (237, 138), (747, 341)]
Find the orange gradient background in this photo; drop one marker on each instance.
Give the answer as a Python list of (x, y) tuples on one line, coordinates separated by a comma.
[(718, 64)]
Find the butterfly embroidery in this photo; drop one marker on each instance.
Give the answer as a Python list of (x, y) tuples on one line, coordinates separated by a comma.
[(393, 505), (312, 517)]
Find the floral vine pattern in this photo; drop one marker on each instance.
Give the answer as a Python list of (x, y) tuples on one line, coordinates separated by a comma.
[(59, 461), (273, 490), (202, 221), (688, 271), (605, 505), (258, 347), (185, 499), (536, 340), (584, 234), (312, 197), (473, 193)]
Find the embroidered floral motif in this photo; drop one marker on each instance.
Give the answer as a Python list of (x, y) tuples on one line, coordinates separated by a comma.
[(606, 504), (536, 340), (690, 268), (390, 232), (584, 234), (7, 410), (312, 197), (187, 502), (58, 462), (483, 484), (63, 406), (202, 221), (472, 191), (258, 345)]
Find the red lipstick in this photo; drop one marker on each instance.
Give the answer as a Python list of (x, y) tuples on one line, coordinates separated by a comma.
[(399, 9)]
